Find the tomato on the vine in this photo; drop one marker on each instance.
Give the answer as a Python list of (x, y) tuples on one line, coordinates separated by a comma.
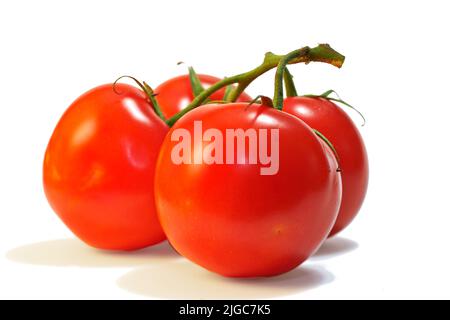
[(99, 168), (226, 215), (328, 118), (175, 94)]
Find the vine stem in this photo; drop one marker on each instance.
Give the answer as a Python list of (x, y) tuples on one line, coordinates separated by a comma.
[(321, 53)]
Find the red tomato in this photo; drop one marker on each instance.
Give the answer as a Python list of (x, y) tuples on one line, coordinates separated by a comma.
[(99, 168), (176, 93), (337, 126), (234, 221)]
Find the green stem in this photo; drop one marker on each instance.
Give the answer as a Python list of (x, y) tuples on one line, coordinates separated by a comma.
[(148, 92), (278, 95), (289, 84), (151, 95), (321, 53)]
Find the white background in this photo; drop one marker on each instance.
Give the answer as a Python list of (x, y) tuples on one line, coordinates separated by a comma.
[(396, 72)]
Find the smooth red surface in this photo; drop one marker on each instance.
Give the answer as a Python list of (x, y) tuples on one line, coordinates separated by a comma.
[(175, 94), (232, 220), (337, 126), (99, 168)]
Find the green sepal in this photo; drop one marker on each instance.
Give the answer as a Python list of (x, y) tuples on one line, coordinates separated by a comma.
[(326, 95)]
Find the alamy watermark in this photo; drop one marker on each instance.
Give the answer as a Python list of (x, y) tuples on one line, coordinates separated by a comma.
[(213, 142)]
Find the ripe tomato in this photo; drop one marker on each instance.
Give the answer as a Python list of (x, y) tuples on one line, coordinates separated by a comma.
[(176, 93), (99, 168), (336, 125), (229, 218)]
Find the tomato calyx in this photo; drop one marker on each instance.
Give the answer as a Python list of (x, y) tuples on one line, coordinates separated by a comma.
[(289, 85), (196, 84), (148, 92), (330, 145), (326, 95), (263, 100)]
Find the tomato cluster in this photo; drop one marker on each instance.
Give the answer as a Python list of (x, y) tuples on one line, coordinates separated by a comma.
[(110, 175)]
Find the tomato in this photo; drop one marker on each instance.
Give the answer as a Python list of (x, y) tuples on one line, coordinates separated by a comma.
[(230, 218), (99, 168), (176, 93), (336, 125)]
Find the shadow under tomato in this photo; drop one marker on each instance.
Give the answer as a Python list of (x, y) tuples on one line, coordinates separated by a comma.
[(333, 247), (160, 272), (73, 252), (184, 280)]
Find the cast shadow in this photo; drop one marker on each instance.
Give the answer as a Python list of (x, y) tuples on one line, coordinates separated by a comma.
[(334, 247), (184, 280), (72, 252)]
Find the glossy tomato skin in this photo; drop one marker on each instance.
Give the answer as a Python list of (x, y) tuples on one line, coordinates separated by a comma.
[(337, 126), (175, 94), (99, 168), (234, 221)]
